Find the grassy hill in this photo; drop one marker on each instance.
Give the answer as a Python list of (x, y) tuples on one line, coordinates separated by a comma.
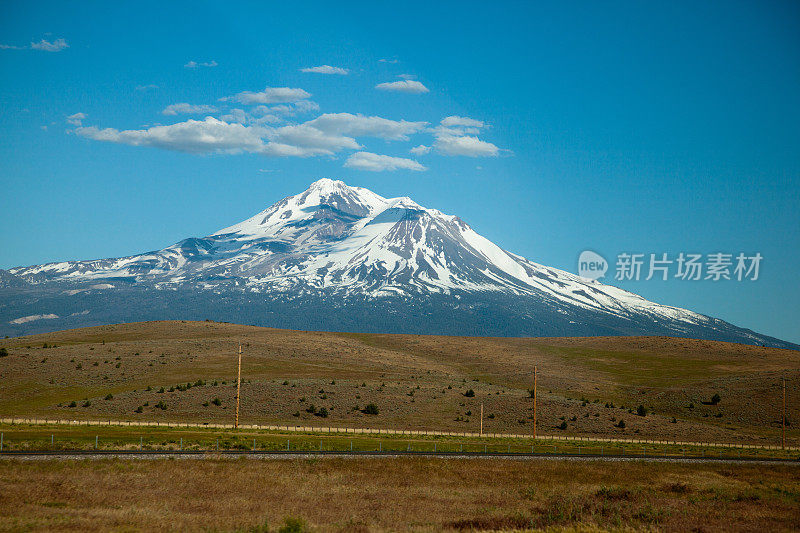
[(417, 382)]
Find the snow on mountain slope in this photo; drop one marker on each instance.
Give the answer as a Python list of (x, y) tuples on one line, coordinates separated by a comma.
[(351, 239), (351, 242)]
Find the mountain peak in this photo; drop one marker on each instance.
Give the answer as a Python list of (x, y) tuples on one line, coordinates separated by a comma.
[(334, 244), (327, 185)]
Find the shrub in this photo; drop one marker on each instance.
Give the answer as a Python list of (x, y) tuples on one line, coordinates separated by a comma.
[(87, 403), (292, 525), (73, 403), (205, 404), (323, 413), (109, 397), (371, 409), (715, 399), (217, 402), (161, 405), (562, 425), (470, 393), (641, 410), (139, 409), (3, 352), (531, 393), (621, 424), (161, 390), (491, 415), (311, 409)]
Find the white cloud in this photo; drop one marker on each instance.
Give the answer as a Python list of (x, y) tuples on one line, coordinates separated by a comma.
[(146, 87), (325, 69), (243, 117), (47, 46), (420, 150), (193, 136), (292, 109), (43, 45), (461, 121), (405, 86), (456, 136), (379, 163), (212, 135), (406, 76), (359, 125), (76, 119), (272, 95), (392, 61), (307, 137), (195, 64), (466, 145), (188, 109)]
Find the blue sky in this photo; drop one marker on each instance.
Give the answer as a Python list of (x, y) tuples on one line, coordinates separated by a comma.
[(616, 127)]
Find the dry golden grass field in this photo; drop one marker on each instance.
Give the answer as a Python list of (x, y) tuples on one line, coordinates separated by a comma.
[(140, 371), (186, 371), (395, 494)]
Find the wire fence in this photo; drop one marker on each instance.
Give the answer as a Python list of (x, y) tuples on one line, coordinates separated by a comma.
[(29, 434)]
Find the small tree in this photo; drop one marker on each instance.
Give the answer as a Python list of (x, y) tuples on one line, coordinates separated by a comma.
[(641, 410), (217, 402), (371, 409), (621, 424), (470, 393), (323, 412), (563, 425), (3, 352), (715, 399)]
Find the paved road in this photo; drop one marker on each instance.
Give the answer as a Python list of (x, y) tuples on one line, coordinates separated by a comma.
[(283, 454)]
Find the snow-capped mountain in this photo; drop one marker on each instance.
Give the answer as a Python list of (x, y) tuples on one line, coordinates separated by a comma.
[(344, 258)]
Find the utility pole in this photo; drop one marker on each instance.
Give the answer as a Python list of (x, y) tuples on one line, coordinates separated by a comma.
[(534, 401), (481, 420), (783, 420), (238, 386)]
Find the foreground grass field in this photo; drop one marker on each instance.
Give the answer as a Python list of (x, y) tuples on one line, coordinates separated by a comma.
[(185, 371), (394, 494)]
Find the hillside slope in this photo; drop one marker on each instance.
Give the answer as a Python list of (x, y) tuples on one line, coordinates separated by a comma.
[(417, 381)]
